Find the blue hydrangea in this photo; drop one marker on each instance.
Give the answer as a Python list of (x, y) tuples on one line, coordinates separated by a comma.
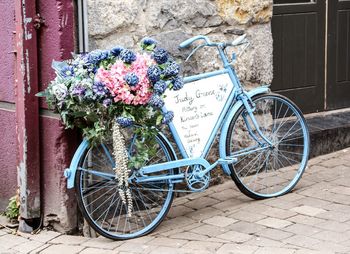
[(153, 73), (99, 89), (156, 101), (160, 87), (94, 57), (107, 102), (172, 69), (124, 121), (67, 71), (131, 79), (116, 50), (78, 90), (127, 56), (178, 83), (160, 55), (168, 117), (146, 42)]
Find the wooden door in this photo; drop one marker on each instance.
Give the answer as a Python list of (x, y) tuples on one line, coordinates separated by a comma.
[(298, 28), (338, 81)]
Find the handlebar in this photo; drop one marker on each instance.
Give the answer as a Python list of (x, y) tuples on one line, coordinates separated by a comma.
[(238, 41)]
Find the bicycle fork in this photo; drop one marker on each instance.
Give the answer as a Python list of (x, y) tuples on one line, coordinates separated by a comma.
[(250, 108)]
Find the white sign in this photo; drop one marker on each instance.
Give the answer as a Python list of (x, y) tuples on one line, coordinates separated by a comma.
[(197, 107)]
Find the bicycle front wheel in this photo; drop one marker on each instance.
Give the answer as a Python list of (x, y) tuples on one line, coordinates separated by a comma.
[(99, 198), (268, 171)]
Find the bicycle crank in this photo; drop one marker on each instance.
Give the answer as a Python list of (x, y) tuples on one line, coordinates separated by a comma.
[(194, 180)]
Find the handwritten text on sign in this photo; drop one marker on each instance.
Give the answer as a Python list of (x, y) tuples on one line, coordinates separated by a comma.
[(197, 107)]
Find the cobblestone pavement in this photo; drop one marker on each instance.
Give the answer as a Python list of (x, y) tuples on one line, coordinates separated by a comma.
[(315, 218)]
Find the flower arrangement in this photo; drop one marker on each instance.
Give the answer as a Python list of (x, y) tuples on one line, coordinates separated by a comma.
[(95, 90)]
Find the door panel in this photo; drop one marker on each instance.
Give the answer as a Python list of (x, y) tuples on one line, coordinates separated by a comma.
[(338, 82), (298, 34)]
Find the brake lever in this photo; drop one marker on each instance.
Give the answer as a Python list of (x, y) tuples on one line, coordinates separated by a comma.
[(194, 51)]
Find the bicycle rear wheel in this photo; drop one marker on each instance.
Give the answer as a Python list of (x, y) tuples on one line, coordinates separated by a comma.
[(99, 199), (271, 171)]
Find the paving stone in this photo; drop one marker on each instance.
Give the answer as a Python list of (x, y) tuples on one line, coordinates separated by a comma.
[(231, 248), (102, 243), (264, 242), (300, 229), (335, 237), (209, 230), (279, 213), (334, 226), (307, 220), (269, 250), (167, 250), (245, 227), (44, 236), (229, 205), (189, 236), (203, 214), (275, 202), (179, 211), (8, 241), (247, 216), (28, 246), (41, 248), (62, 249), (96, 251), (274, 234), (330, 246), (303, 241), (133, 248), (225, 195), (274, 223), (176, 230), (308, 210), (333, 215), (341, 190), (308, 251), (69, 240), (2, 232), (163, 241), (338, 208), (202, 245), (201, 203), (235, 237), (220, 221), (314, 202)]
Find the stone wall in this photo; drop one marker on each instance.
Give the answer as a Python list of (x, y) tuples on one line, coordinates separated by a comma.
[(126, 22)]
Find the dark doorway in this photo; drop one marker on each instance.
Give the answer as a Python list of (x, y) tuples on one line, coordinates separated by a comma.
[(298, 28), (338, 81)]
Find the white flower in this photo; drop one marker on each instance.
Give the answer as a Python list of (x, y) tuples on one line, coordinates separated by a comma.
[(60, 91)]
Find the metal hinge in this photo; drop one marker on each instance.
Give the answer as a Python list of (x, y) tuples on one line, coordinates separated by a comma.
[(38, 21)]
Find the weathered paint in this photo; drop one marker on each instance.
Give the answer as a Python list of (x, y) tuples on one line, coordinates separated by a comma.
[(8, 179), (57, 145), (56, 36), (7, 49), (27, 110)]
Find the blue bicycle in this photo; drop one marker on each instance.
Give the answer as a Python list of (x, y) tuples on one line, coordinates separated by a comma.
[(263, 145)]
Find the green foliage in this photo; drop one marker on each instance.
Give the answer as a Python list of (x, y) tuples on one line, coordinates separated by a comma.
[(12, 210)]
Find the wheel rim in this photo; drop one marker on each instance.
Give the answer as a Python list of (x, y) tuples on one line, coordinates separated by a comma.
[(101, 201), (271, 172)]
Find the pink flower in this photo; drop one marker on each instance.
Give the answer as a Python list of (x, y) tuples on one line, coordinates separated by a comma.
[(114, 80)]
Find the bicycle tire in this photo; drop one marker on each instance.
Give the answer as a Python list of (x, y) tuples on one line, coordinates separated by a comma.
[(271, 109), (137, 225)]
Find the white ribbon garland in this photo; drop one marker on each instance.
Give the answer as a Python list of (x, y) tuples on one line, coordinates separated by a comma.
[(121, 167)]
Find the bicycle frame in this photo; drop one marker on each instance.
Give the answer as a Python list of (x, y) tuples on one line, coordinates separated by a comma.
[(236, 99)]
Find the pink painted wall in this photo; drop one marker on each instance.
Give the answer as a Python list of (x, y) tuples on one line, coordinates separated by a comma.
[(8, 171), (7, 58)]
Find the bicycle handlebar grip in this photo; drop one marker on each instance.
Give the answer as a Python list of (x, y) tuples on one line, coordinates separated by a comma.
[(188, 42)]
